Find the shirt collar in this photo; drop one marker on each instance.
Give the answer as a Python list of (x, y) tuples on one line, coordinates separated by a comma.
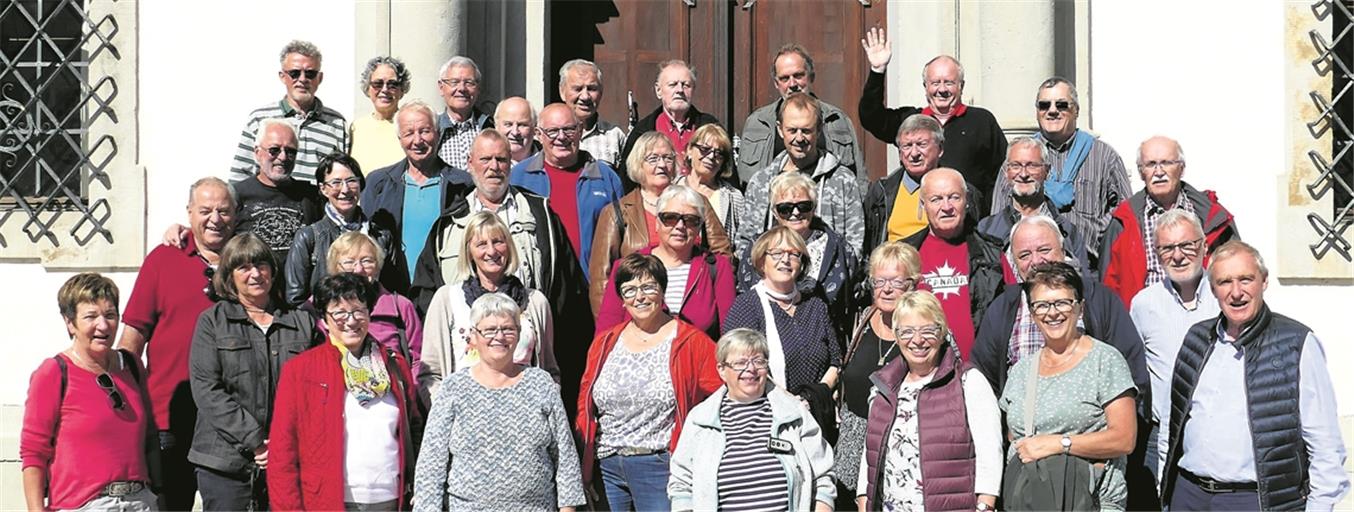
[(444, 120), (1198, 292), (509, 202), (1065, 145), (1180, 199), (957, 111), (909, 183), (290, 111)]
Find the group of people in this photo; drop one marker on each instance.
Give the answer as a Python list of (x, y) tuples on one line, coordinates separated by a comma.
[(523, 310)]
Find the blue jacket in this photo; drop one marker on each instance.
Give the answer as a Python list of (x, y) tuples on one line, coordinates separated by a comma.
[(598, 187)]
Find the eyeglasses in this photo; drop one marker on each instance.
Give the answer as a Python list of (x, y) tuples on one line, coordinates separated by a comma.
[(1061, 105), (454, 83), (567, 131), (709, 151), (344, 316), (382, 85), (1160, 164), (787, 210), (1190, 248), (1042, 307), (349, 265), (629, 292), (1025, 166), (670, 219), (896, 283), (497, 332), (746, 364), (777, 255), (274, 151), (653, 159), (106, 383), (310, 74), (346, 182), (927, 333)]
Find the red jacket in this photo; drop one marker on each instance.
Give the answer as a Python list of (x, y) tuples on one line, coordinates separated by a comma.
[(704, 305), (305, 446), (694, 377), (1123, 254)]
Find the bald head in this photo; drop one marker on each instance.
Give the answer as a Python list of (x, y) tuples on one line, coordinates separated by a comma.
[(516, 121), (944, 196), (559, 132)]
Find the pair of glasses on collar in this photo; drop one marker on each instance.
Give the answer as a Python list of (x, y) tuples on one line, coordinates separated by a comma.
[(209, 272), (105, 383), (310, 74)]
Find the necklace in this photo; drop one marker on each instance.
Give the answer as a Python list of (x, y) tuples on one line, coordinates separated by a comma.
[(1071, 353), (86, 364), (883, 354), (645, 338)]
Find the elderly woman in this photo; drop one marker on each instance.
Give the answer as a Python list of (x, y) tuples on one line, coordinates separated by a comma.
[(700, 283), (394, 321), (1085, 398), (237, 354), (632, 223), (487, 264), (353, 450), (751, 445), (497, 437), (385, 81), (709, 159), (88, 440), (893, 269), (341, 182), (960, 468), (642, 379)]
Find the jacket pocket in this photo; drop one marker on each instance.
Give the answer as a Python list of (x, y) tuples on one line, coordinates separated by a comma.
[(753, 148), (236, 357)]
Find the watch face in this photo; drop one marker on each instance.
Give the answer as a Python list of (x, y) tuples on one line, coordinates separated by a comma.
[(1067, 442)]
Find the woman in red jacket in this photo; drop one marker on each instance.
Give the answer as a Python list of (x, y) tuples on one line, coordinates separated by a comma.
[(345, 426), (642, 378)]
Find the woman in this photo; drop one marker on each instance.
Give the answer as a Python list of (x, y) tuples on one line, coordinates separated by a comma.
[(831, 263), (700, 283), (238, 350), (498, 437), (354, 449), (341, 182), (385, 81), (1084, 393), (642, 379), (488, 262), (394, 321), (751, 444), (632, 223), (709, 157), (88, 439), (893, 271), (934, 434)]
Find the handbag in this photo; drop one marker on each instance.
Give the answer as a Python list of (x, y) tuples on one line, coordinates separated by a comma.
[(1058, 482)]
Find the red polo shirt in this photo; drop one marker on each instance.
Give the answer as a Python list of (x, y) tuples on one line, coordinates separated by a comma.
[(165, 303), (679, 136)]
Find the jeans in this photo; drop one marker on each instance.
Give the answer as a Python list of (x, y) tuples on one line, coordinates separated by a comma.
[(143, 501), (226, 491), (638, 482), (1188, 496), (384, 506), (178, 487)]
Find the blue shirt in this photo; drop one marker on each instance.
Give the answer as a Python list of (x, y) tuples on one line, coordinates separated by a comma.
[(422, 206)]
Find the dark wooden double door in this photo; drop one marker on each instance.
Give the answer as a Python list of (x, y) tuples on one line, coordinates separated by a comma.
[(730, 43)]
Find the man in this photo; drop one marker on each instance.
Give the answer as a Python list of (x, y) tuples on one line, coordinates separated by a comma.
[(675, 116), (1164, 312), (1253, 423), (580, 86), (459, 84), (792, 72), (961, 266), (1026, 168), (321, 130), (893, 208), (974, 142), (410, 194), (1125, 262), (172, 289), (1086, 178), (516, 120), (799, 122), (578, 185), (274, 205)]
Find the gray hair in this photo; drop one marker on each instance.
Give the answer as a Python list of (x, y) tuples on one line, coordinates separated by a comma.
[(213, 180), (306, 48), (1176, 216), (495, 304), (787, 181), (684, 194), (401, 71), (1054, 81), (746, 341), (1230, 249), (1035, 220), (568, 67), (939, 58), (458, 62), (414, 105), (531, 111), (1179, 150), (270, 122), (1045, 156), (920, 123), (674, 62), (794, 48)]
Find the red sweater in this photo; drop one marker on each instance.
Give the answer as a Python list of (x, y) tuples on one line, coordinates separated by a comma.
[(694, 377), (305, 447)]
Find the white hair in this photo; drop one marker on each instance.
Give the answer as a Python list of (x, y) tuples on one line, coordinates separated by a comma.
[(495, 304), (457, 62), (684, 194), (262, 129)]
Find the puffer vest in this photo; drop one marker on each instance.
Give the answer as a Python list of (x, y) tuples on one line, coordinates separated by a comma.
[(947, 454), (1273, 351)]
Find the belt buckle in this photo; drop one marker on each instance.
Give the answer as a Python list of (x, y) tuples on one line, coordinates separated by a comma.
[(119, 489), (1209, 485)]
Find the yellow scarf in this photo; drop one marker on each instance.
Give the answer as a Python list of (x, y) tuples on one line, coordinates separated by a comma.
[(365, 377)]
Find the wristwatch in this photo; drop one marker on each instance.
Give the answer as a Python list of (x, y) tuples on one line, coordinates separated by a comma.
[(1067, 444), (983, 507)]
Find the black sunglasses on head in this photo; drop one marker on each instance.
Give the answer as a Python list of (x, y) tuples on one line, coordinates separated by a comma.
[(106, 383), (296, 73), (785, 210), (670, 219)]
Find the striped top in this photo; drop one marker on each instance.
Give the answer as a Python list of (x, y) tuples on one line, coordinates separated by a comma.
[(676, 289), (321, 131), (750, 476)]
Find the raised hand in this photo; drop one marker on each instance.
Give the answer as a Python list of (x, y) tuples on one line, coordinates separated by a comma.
[(877, 48)]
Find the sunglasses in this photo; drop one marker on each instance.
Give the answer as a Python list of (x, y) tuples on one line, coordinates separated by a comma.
[(1061, 105), (393, 85), (106, 383), (786, 210), (274, 151), (670, 219), (210, 272), (295, 74)]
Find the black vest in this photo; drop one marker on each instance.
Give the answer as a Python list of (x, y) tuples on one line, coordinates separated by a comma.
[(1273, 351)]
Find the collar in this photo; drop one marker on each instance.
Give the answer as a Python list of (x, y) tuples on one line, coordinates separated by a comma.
[(1198, 292), (444, 120), (509, 202), (1061, 147), (290, 111), (1014, 215), (435, 179), (190, 245), (1180, 199), (235, 311), (676, 126), (909, 183), (959, 110)]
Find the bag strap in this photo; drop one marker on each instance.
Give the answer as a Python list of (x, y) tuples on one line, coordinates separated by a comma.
[(1031, 394), (61, 399)]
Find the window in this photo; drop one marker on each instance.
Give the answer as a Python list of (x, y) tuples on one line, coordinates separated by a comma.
[(1335, 107)]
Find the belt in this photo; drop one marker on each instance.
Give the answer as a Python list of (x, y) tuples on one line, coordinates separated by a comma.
[(634, 452), (1210, 485), (120, 489)]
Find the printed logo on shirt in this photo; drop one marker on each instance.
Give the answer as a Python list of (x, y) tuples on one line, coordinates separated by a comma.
[(946, 280), (600, 193)]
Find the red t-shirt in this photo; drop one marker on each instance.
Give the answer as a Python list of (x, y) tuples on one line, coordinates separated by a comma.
[(679, 137), (945, 272), (165, 303), (564, 200), (95, 444)]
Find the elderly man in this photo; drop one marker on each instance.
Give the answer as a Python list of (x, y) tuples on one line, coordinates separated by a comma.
[(578, 185), (410, 194), (799, 122), (893, 208), (321, 130), (792, 72), (961, 266), (273, 204), (1164, 312), (973, 140), (171, 291), (1125, 263), (1026, 168), (580, 86), (459, 85), (516, 120), (675, 116), (1253, 416)]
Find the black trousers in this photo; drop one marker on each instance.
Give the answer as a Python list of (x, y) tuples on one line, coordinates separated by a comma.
[(1188, 496)]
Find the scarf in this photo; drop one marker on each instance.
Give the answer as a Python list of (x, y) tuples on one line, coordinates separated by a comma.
[(365, 377), (1060, 186), (775, 352), (359, 221), (511, 286)]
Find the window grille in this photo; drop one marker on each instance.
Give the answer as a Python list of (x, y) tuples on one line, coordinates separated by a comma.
[(1335, 172)]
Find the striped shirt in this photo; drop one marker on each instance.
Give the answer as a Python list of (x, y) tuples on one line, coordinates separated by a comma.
[(320, 131), (750, 476), (676, 289)]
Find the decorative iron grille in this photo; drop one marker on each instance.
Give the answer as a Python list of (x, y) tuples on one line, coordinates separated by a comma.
[(1336, 175), (47, 102)]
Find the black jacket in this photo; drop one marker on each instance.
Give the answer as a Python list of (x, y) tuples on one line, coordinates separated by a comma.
[(999, 224), (984, 260), (648, 124), (307, 262), (383, 202), (880, 195)]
